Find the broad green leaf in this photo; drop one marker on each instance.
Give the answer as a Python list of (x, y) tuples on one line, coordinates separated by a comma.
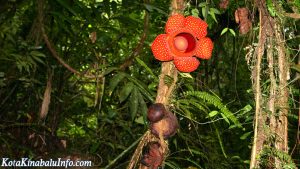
[(224, 31), (216, 11), (133, 102), (140, 120), (37, 53), (213, 113), (232, 32), (116, 80), (141, 87), (245, 135), (126, 91), (247, 108), (203, 10), (213, 16), (195, 12), (202, 4), (142, 63), (143, 107)]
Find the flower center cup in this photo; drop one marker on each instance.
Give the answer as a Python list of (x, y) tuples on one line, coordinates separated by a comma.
[(182, 43)]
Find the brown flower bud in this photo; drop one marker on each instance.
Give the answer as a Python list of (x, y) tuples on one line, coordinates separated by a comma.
[(168, 126), (156, 112)]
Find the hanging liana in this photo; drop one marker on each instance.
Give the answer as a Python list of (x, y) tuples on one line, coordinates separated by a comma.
[(185, 38)]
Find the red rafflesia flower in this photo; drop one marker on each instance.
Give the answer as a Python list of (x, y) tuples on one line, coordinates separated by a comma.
[(184, 39)]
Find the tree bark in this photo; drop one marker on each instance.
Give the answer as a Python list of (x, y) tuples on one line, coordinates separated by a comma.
[(271, 125)]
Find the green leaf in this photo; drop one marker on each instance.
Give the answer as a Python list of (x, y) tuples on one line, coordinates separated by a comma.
[(133, 102), (186, 75), (213, 113), (142, 63), (232, 32), (247, 108), (140, 120), (116, 80), (224, 31), (202, 4), (216, 11), (213, 16), (172, 164), (37, 53), (195, 12), (143, 107), (38, 59), (126, 91), (245, 135), (220, 141), (141, 87), (203, 10), (271, 8)]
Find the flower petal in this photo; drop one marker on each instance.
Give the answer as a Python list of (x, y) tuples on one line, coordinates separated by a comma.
[(174, 22), (204, 48), (197, 25), (160, 48), (186, 64)]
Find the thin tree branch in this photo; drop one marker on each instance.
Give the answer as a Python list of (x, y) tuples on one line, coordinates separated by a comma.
[(140, 45), (50, 46)]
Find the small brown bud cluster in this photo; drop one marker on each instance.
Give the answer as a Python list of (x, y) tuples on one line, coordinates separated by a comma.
[(162, 122)]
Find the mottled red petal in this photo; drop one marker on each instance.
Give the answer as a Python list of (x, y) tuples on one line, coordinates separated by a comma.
[(174, 22), (186, 64), (160, 48), (197, 25), (204, 48)]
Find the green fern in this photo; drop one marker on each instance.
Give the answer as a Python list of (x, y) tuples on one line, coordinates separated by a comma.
[(283, 157), (213, 100)]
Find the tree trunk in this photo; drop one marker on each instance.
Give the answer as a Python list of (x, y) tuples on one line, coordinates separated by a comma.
[(270, 128)]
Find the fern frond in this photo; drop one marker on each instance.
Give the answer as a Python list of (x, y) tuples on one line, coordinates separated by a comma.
[(215, 101)]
